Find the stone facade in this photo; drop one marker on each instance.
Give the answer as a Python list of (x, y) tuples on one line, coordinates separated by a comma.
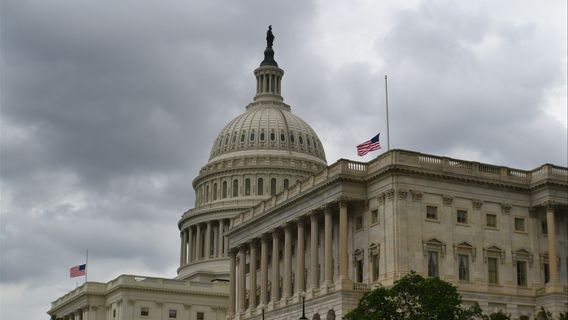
[(131, 297), (491, 231)]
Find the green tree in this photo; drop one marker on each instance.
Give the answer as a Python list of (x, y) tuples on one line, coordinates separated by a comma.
[(414, 298), (497, 316)]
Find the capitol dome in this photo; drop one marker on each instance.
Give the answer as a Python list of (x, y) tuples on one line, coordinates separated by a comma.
[(257, 155)]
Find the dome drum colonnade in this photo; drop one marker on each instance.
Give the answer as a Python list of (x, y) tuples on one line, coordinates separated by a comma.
[(258, 154)]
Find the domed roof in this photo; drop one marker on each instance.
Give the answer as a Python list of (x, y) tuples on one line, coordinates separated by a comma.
[(268, 127)]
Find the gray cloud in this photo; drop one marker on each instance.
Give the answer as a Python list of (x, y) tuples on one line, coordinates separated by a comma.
[(109, 111)]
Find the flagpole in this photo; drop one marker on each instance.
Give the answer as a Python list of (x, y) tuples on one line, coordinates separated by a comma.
[(387, 107), (86, 265)]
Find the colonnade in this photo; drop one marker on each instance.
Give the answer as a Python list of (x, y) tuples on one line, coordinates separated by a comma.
[(203, 241), (552, 255), (281, 293)]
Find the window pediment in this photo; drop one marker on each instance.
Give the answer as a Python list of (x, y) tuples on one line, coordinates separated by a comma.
[(522, 255), (374, 249), (494, 252), (464, 247), (434, 245)]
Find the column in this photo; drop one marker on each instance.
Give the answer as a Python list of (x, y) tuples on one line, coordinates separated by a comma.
[(242, 278), (287, 286), (198, 243), (207, 252), (552, 257), (182, 252), (190, 244), (300, 258), (264, 270), (343, 236), (275, 266), (232, 279), (327, 254), (226, 242), (314, 276), (220, 241), (252, 287)]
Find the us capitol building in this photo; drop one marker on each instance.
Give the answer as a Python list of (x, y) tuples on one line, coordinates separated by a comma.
[(273, 223)]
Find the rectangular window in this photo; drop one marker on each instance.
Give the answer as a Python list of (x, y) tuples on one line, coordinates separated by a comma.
[(375, 216), (173, 314), (433, 264), (462, 216), (200, 316), (432, 212), (546, 273), (491, 220), (492, 271), (463, 268), (114, 313), (375, 267), (144, 312), (520, 224), (544, 227), (359, 223), (522, 273)]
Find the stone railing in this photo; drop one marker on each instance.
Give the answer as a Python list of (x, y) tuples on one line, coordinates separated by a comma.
[(131, 281), (410, 160)]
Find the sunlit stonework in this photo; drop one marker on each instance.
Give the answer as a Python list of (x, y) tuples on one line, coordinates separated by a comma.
[(273, 224)]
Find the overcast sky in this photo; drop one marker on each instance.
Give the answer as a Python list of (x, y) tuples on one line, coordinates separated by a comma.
[(109, 109)]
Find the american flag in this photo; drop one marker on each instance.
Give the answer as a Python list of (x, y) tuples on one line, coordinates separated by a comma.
[(369, 145), (78, 271)]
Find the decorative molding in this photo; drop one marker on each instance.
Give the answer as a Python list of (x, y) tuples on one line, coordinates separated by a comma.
[(381, 198), (374, 249), (522, 255), (358, 254), (416, 195), (447, 200), (477, 204), (402, 194), (466, 247), (389, 194), (434, 245), (506, 208), (494, 252)]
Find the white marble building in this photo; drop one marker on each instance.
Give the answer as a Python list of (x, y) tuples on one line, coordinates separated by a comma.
[(273, 223)]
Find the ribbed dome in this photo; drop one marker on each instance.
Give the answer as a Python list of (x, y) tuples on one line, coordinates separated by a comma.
[(267, 127)]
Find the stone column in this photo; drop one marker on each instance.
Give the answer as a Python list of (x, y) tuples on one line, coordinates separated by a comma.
[(198, 243), (183, 249), (552, 256), (232, 282), (343, 237), (264, 270), (190, 244), (300, 265), (287, 285), (252, 287), (226, 242), (207, 252), (314, 276), (220, 241), (275, 266), (328, 253), (242, 277)]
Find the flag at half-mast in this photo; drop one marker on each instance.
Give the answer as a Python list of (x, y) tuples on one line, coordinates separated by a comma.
[(78, 271), (369, 145)]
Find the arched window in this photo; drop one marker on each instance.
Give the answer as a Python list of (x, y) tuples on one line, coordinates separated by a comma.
[(291, 137), (251, 136), (316, 317), (330, 315), (207, 194), (235, 188), (282, 137), (243, 135), (234, 137), (272, 186), (286, 183), (301, 140), (260, 187), (247, 187), (262, 136), (272, 136), (224, 194), (215, 191)]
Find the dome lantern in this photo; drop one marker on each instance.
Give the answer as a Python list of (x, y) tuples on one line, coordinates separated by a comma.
[(268, 75)]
